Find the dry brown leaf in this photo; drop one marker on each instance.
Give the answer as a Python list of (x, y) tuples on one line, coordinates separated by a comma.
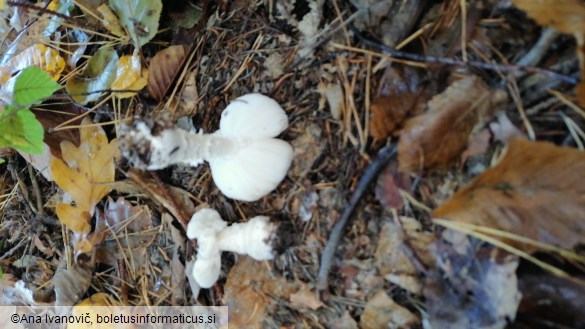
[(388, 187), (305, 298), (398, 96), (436, 139), (535, 191), (566, 16), (84, 175), (248, 291), (382, 312), (164, 66)]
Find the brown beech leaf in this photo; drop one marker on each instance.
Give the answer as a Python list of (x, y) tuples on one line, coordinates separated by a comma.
[(436, 139), (397, 98), (566, 16), (164, 66), (381, 311), (535, 191)]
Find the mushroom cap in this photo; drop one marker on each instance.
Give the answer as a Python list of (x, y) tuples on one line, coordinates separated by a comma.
[(254, 170), (204, 225), (252, 116)]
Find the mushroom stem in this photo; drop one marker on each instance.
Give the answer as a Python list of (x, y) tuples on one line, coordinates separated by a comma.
[(252, 238)]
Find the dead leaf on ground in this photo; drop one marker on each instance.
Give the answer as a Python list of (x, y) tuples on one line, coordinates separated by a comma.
[(566, 16), (164, 66), (382, 312), (392, 262), (540, 291), (473, 286), (535, 191), (72, 283), (389, 184), (130, 75), (249, 290), (305, 298), (436, 139), (397, 98), (85, 175)]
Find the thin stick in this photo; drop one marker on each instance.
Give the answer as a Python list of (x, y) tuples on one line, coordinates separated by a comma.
[(374, 168), (449, 61)]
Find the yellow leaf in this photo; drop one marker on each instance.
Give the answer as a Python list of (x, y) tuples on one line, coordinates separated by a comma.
[(110, 21), (99, 303), (85, 175), (129, 76), (46, 58), (76, 219)]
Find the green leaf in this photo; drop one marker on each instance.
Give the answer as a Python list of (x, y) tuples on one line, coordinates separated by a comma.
[(32, 86), (20, 129), (2, 160), (98, 75), (139, 17)]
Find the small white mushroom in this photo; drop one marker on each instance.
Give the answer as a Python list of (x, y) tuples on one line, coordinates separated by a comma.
[(253, 238), (247, 162)]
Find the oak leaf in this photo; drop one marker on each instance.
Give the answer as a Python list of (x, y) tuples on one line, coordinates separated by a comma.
[(535, 191), (84, 175)]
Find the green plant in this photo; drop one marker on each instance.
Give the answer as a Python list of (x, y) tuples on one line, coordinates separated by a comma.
[(19, 128)]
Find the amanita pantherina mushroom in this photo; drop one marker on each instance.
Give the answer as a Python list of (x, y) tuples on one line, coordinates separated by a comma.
[(247, 161), (253, 238)]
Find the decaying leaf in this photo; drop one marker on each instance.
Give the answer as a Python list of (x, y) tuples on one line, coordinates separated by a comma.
[(96, 77), (305, 298), (540, 291), (72, 283), (436, 139), (388, 187), (473, 286), (397, 97), (110, 21), (41, 56), (566, 16), (139, 18), (249, 290), (163, 69), (85, 175), (382, 312), (130, 75), (535, 191)]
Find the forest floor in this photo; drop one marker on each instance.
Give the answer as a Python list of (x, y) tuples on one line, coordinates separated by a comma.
[(477, 220)]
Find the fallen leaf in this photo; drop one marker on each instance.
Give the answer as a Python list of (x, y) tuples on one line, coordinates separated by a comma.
[(110, 20), (96, 77), (164, 66), (333, 93), (84, 175), (388, 186), (139, 18), (72, 283), (305, 298), (535, 191), (129, 76), (249, 289), (41, 56), (397, 97), (436, 139), (540, 291), (382, 312), (566, 16), (473, 286)]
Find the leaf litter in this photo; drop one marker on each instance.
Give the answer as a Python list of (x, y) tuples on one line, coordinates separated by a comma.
[(394, 267)]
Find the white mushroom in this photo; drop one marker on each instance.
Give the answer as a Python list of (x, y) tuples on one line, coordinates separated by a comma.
[(247, 162), (252, 238)]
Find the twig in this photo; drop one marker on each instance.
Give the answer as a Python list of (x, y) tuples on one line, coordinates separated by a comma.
[(450, 61), (374, 168)]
